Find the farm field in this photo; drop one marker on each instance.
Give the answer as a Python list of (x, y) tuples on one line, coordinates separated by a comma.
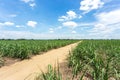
[(83, 60), (23, 49), (96, 59), (59, 39), (90, 60), (28, 69)]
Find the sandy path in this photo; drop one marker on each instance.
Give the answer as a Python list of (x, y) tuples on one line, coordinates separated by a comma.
[(20, 70)]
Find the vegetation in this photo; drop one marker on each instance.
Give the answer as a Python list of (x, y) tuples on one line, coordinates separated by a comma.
[(99, 59), (25, 48), (96, 59), (1, 61), (52, 74)]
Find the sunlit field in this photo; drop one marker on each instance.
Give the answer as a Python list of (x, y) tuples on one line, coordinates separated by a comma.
[(24, 49), (59, 39), (98, 59)]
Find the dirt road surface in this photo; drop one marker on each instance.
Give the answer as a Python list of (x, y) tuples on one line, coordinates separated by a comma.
[(21, 70)]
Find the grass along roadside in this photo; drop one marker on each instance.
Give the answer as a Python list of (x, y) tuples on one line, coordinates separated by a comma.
[(1, 61), (99, 59), (23, 49), (51, 74), (93, 60), (58, 73)]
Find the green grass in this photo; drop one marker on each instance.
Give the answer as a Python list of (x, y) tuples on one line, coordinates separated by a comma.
[(99, 58), (25, 48), (51, 74), (95, 59), (1, 61)]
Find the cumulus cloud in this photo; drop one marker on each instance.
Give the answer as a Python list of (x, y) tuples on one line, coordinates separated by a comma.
[(108, 23), (30, 2), (32, 23), (7, 24), (109, 17), (67, 19), (70, 16), (70, 24), (88, 5)]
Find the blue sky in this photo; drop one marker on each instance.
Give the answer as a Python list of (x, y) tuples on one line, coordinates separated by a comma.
[(68, 19)]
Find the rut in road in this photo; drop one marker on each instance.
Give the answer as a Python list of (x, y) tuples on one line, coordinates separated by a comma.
[(20, 70)]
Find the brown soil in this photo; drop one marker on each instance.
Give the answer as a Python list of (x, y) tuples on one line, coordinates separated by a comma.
[(10, 61), (27, 69)]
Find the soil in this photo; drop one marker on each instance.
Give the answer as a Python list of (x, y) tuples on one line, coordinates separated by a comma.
[(10, 61), (27, 69)]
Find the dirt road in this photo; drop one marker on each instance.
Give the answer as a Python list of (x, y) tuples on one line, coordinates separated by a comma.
[(21, 70)]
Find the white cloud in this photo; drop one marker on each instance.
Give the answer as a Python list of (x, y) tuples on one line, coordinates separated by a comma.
[(86, 24), (108, 23), (109, 17), (32, 23), (19, 26), (66, 19), (74, 32), (27, 1), (30, 2), (88, 5), (70, 24), (17, 34), (51, 30), (31, 35), (70, 16), (101, 29), (60, 19), (80, 17), (7, 24)]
